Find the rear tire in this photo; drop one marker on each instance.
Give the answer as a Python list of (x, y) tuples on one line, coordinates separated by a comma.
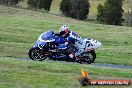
[(88, 59), (92, 57), (36, 54)]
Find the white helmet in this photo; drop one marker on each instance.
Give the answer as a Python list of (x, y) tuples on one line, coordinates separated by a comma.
[(64, 28)]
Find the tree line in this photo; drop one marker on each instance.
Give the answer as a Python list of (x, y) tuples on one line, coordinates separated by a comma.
[(110, 12), (9, 2)]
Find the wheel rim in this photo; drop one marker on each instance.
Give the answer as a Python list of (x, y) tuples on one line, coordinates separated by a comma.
[(36, 55), (91, 57)]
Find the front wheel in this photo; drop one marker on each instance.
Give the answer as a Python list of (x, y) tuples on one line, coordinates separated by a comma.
[(36, 54)]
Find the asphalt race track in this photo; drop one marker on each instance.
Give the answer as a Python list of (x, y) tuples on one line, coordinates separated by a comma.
[(94, 64)]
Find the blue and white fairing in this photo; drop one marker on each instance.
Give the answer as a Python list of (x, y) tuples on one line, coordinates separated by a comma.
[(49, 37), (43, 39), (61, 43), (91, 44)]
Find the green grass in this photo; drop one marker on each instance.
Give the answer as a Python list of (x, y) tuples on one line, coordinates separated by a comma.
[(19, 29), (33, 74), (17, 35)]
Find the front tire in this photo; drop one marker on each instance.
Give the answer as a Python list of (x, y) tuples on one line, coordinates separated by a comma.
[(36, 54)]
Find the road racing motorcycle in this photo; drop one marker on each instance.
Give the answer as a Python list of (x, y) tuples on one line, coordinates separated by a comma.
[(54, 47)]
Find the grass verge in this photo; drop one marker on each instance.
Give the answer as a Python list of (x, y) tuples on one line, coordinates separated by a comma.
[(33, 74)]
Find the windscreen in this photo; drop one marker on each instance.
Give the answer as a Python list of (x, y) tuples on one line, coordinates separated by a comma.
[(47, 35)]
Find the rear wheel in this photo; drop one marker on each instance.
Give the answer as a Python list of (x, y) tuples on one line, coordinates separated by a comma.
[(92, 57), (88, 57), (36, 54)]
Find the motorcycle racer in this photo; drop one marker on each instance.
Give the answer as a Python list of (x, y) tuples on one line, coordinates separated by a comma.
[(63, 31), (68, 47), (72, 38)]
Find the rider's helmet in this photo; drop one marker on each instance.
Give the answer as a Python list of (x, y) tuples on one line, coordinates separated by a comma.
[(64, 30)]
